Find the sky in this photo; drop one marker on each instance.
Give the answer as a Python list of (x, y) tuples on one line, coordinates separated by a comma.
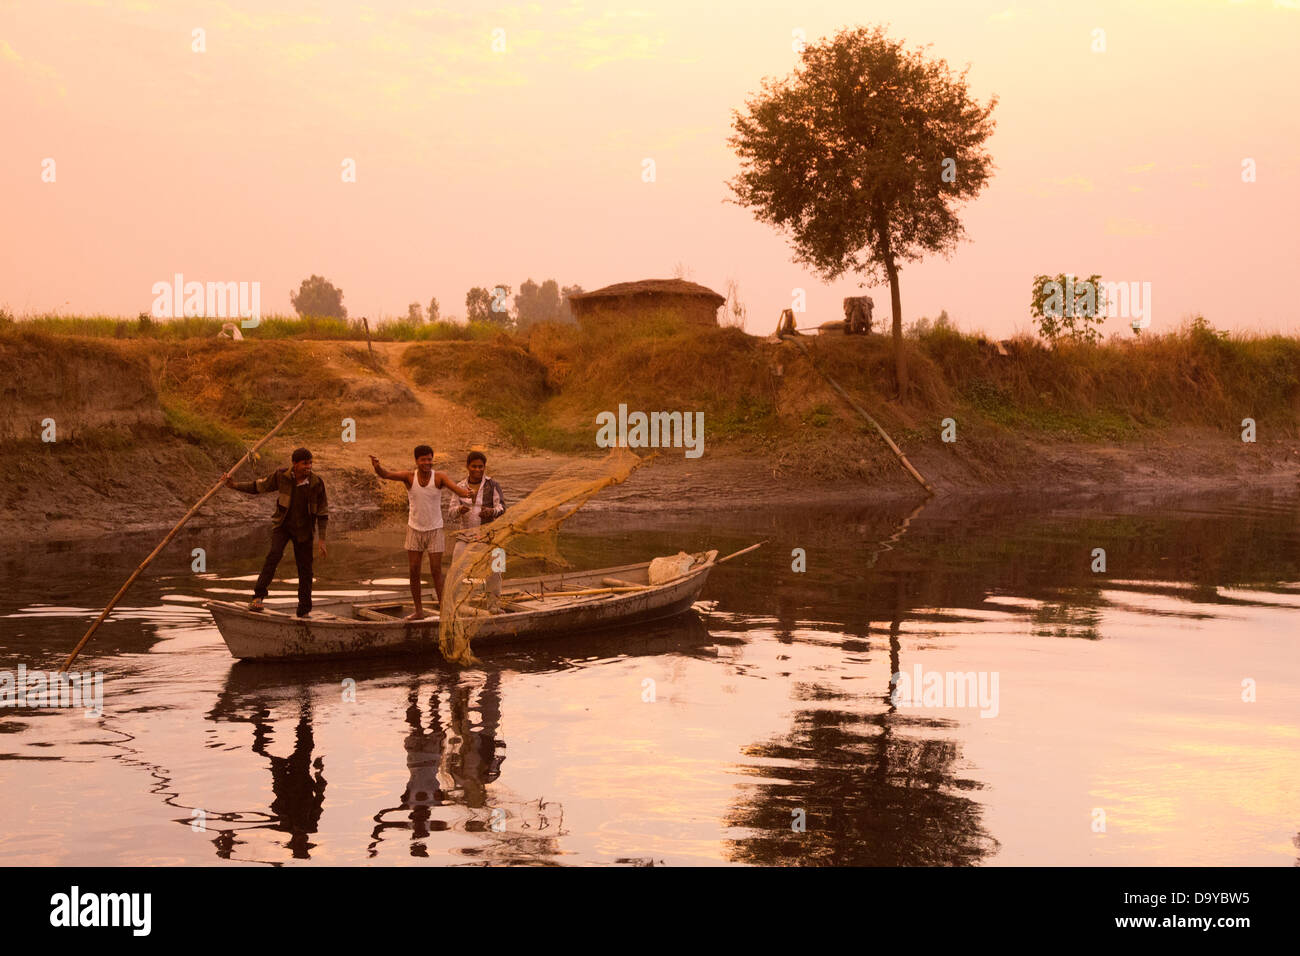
[(495, 143)]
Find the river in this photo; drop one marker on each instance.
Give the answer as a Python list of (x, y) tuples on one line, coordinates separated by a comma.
[(1144, 714)]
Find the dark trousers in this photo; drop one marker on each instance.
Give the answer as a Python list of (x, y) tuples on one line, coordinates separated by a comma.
[(301, 555)]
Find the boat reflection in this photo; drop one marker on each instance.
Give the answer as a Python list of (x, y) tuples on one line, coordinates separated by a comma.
[(450, 733)]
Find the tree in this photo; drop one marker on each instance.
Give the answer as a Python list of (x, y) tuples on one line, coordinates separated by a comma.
[(566, 307), (318, 297), (478, 301), (859, 157), (415, 313), (1064, 306), (434, 313), (923, 326), (537, 303), (489, 305)]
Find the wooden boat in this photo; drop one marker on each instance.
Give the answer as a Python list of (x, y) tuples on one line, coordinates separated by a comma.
[(530, 608)]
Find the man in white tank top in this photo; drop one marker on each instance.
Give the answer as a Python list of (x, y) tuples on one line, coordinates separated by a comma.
[(424, 519)]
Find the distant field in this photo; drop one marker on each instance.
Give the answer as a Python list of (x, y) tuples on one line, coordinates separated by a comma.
[(269, 327)]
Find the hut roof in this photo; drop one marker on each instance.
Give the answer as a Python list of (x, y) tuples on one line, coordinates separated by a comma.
[(653, 287)]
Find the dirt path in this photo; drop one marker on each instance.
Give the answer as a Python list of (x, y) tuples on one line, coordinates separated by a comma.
[(392, 416)]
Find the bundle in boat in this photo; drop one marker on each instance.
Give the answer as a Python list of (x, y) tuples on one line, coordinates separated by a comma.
[(666, 569)]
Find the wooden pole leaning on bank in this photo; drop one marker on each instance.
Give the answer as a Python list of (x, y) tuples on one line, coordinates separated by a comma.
[(171, 534), (898, 452)]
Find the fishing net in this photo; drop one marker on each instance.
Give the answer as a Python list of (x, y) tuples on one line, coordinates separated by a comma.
[(526, 530)]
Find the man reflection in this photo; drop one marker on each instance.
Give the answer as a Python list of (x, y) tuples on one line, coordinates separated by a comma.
[(424, 750), (443, 773), (476, 763), (299, 793)]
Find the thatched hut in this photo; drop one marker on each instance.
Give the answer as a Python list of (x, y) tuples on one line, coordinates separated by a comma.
[(630, 300)]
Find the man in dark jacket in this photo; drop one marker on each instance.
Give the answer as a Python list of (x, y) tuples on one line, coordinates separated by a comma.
[(300, 509)]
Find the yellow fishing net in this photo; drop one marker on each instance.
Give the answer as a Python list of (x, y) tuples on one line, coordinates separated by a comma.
[(527, 529)]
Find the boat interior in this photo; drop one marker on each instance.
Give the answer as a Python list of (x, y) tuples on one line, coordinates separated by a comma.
[(518, 595)]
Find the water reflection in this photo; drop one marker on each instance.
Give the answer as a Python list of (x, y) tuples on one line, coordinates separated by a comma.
[(859, 785), (449, 737), (444, 773), (297, 780), (775, 707)]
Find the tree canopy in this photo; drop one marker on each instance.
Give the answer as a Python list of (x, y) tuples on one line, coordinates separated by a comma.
[(537, 303), (318, 297), (489, 305), (860, 157)]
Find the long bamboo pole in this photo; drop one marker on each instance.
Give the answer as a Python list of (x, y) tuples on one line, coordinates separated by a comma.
[(736, 554), (171, 534), (898, 452)]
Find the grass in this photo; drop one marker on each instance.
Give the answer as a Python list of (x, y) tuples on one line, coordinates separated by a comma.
[(185, 422), (248, 388), (821, 416), (501, 381), (268, 328), (547, 386), (659, 363), (544, 386), (1193, 375)]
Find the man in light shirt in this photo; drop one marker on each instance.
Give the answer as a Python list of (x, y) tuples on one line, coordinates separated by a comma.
[(424, 520), (483, 503)]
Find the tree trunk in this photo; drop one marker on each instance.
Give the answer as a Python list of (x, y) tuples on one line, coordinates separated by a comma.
[(895, 301)]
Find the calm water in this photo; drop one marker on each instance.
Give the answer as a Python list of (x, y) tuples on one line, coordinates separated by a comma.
[(1118, 694)]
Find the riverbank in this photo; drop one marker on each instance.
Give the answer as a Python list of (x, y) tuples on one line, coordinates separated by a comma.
[(143, 427)]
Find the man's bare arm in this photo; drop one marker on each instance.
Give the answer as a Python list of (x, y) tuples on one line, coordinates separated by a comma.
[(446, 482), (405, 477)]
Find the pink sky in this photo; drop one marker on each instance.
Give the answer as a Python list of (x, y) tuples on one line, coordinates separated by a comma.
[(476, 167)]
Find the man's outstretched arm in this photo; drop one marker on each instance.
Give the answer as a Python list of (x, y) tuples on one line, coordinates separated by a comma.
[(248, 487), (445, 481), (405, 477)]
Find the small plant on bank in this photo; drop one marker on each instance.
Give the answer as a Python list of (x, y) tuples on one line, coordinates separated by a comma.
[(1067, 308)]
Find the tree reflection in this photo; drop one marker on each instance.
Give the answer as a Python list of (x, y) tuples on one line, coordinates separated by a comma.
[(876, 789)]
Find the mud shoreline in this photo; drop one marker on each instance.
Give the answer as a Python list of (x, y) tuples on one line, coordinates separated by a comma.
[(146, 428), (718, 483)]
